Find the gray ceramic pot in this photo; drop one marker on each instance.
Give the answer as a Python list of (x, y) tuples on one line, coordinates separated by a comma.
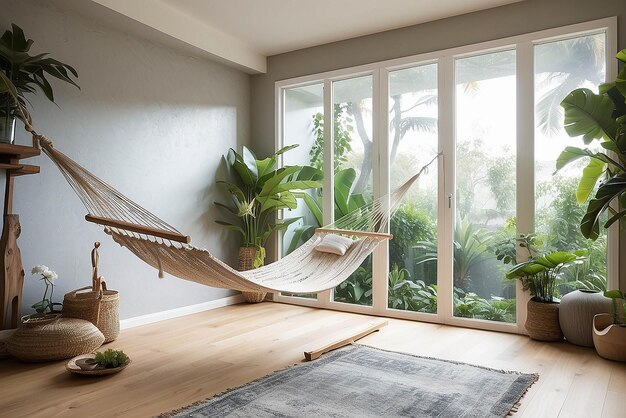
[(576, 315)]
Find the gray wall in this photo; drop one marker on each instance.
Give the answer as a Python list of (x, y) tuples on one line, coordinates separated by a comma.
[(510, 20), (150, 121)]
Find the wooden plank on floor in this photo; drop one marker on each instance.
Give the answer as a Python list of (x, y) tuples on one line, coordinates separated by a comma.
[(352, 336)]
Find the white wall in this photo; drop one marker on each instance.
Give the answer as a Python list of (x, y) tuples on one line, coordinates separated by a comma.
[(150, 121)]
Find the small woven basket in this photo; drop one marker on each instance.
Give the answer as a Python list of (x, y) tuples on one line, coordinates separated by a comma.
[(54, 338), (95, 303), (246, 262), (101, 308)]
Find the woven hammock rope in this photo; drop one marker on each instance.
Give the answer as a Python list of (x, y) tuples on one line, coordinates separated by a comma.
[(304, 270)]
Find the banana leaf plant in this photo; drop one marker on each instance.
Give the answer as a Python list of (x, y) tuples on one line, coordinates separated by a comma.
[(22, 73), (599, 118), (344, 201), (259, 190), (539, 275)]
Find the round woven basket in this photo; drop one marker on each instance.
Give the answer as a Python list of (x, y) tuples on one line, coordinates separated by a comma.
[(542, 321), (53, 339), (246, 262), (101, 308)]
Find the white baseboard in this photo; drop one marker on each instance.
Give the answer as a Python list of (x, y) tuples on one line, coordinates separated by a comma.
[(175, 313)]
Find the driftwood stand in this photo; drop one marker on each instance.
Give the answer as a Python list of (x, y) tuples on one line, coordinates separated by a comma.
[(11, 269)]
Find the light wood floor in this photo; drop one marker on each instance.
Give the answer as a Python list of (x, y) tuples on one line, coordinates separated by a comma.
[(180, 361)]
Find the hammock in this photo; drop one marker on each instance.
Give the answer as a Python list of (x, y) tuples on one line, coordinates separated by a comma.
[(163, 247)]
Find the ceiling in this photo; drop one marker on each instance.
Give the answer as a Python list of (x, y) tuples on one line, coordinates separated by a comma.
[(245, 32)]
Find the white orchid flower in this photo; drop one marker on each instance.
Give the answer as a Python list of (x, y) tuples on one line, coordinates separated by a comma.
[(40, 269), (50, 275)]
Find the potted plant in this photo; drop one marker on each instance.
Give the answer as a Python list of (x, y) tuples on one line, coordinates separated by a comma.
[(539, 276), (45, 308), (609, 330), (258, 192), (599, 117), (21, 73)]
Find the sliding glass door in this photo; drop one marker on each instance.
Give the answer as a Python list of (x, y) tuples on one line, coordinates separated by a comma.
[(560, 67), (413, 141), (303, 114), (489, 116), (485, 177), (353, 165)]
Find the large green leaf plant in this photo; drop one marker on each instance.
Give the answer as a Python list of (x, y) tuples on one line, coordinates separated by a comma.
[(22, 73), (258, 191), (599, 118), (539, 275)]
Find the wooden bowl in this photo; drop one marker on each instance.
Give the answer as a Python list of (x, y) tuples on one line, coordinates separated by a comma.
[(72, 367)]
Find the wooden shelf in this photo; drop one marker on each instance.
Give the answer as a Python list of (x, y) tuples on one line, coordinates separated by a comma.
[(18, 151), (20, 169)]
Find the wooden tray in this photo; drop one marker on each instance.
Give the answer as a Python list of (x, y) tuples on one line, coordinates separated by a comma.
[(73, 368)]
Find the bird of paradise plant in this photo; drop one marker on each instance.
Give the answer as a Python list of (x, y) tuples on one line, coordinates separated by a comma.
[(259, 190)]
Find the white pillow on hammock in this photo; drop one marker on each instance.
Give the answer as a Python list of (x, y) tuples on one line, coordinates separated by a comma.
[(334, 244)]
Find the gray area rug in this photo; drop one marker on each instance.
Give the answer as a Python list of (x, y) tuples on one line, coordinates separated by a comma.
[(362, 381)]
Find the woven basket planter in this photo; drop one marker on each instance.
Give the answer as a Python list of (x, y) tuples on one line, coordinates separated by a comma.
[(101, 308), (53, 338), (542, 322), (246, 262)]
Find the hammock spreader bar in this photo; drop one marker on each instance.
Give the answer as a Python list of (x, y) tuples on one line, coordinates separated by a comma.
[(140, 229)]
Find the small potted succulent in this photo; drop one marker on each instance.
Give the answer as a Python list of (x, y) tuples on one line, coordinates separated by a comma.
[(609, 330), (539, 276), (21, 73)]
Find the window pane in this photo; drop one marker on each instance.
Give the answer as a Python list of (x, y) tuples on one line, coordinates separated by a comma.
[(485, 185), (303, 125), (413, 143), (561, 67), (353, 148)]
